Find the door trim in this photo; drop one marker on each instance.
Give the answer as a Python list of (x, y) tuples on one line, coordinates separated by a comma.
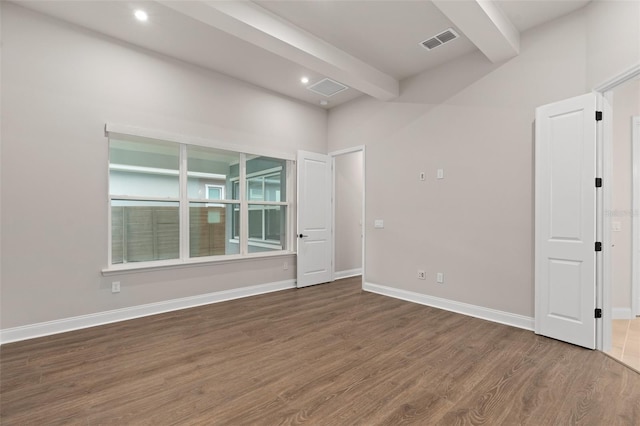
[(635, 222), (333, 155), (603, 287)]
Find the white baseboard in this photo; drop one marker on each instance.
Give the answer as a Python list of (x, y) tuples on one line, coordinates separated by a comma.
[(348, 273), (85, 321), (621, 313), (501, 317)]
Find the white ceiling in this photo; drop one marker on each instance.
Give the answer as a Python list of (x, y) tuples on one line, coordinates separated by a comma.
[(369, 45), (385, 34)]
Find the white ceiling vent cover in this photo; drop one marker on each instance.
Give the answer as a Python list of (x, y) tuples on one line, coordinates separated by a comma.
[(327, 87), (440, 39)]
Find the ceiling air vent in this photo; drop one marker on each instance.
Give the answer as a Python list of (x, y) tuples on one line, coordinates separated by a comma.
[(440, 39), (327, 87)]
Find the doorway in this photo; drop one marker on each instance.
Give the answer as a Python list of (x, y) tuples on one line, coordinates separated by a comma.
[(625, 103), (625, 232), (348, 212), (609, 293)]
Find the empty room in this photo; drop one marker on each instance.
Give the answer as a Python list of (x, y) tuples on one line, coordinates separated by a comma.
[(322, 212)]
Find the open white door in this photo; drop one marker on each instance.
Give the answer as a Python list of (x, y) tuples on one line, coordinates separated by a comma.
[(565, 211), (315, 242)]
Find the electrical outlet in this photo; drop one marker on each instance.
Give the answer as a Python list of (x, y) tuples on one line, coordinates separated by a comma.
[(422, 275), (285, 266), (115, 287), (440, 278)]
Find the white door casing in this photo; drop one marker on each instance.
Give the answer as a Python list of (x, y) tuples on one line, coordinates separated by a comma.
[(315, 239), (635, 258), (565, 220)]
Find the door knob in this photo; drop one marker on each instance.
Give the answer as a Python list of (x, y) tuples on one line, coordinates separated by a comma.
[(302, 236)]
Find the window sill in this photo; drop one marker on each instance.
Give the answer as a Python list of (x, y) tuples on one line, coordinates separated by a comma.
[(159, 265)]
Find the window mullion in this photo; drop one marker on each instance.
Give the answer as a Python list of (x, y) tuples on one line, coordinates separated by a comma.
[(124, 237), (264, 213), (184, 205), (291, 190), (244, 207), (110, 234)]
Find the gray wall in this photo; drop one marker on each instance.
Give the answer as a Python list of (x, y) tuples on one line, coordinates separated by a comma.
[(60, 85), (474, 120)]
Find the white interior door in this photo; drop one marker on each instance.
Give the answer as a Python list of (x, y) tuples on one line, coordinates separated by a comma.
[(565, 211), (315, 243)]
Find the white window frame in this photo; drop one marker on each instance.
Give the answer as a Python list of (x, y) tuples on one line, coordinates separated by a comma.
[(222, 194), (184, 202), (220, 187), (263, 205)]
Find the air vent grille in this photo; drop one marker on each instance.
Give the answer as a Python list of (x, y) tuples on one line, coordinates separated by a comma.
[(439, 39), (327, 87), (432, 43)]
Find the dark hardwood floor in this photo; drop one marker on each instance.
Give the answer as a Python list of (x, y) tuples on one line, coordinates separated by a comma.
[(323, 355)]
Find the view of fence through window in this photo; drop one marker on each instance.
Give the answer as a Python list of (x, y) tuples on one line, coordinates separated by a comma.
[(150, 193)]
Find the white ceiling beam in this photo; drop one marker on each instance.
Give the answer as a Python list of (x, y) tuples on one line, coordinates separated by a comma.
[(256, 25), (484, 23)]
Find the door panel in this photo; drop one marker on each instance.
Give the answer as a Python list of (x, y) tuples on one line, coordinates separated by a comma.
[(564, 280), (566, 220), (565, 167), (315, 242), (316, 257)]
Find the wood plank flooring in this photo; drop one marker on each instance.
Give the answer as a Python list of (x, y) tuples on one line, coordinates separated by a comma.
[(323, 355), (625, 341)]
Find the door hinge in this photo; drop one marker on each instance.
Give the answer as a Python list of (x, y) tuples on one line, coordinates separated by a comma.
[(598, 115), (598, 182), (598, 313), (598, 246)]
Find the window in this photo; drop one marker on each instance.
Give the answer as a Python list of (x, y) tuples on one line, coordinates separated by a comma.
[(160, 196), (265, 185), (215, 192)]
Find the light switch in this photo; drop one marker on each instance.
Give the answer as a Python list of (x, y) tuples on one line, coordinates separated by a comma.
[(378, 223), (616, 226), (440, 174)]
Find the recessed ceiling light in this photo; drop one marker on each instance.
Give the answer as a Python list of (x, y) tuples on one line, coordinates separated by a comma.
[(141, 15), (304, 80)]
